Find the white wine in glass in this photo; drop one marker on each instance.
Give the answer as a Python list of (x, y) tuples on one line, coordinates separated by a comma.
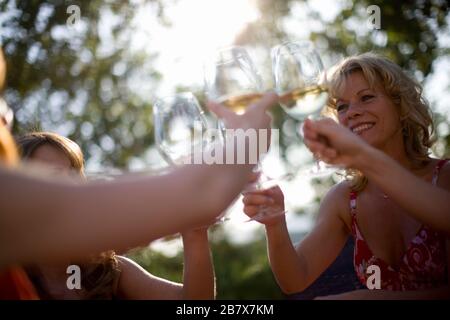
[(238, 103), (232, 79), (304, 101), (300, 81)]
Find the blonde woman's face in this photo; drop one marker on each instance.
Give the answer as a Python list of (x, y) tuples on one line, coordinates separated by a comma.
[(53, 159), (368, 112)]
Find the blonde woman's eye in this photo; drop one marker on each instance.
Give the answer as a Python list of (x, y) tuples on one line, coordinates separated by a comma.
[(367, 97)]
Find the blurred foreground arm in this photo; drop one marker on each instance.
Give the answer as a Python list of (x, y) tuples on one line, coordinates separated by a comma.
[(57, 220)]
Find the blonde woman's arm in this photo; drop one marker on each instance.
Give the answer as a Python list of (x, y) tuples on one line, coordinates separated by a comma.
[(422, 200), (296, 267)]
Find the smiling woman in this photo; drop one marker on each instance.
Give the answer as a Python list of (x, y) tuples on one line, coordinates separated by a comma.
[(383, 138), (396, 116)]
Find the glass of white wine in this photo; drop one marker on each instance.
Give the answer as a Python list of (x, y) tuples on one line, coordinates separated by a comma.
[(180, 128), (232, 79), (182, 132), (300, 81)]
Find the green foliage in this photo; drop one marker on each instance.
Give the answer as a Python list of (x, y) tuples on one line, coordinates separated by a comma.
[(170, 268), (242, 271), (75, 80)]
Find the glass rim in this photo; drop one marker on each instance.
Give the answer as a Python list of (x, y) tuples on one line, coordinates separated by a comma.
[(181, 94)]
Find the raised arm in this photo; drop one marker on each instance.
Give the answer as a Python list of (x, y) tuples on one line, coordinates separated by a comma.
[(425, 202), (61, 220), (136, 283), (58, 220), (295, 268), (198, 281), (198, 278)]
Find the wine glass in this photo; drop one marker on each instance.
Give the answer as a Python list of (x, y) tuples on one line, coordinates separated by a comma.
[(300, 81), (182, 130), (232, 79), (180, 126)]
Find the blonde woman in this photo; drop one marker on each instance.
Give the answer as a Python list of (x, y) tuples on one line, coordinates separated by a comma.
[(395, 201)]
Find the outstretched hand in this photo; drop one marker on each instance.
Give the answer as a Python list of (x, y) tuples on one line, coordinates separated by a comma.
[(333, 143), (255, 116), (254, 199)]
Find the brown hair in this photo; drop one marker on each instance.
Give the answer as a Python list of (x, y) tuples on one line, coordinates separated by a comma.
[(99, 274), (30, 142), (405, 93)]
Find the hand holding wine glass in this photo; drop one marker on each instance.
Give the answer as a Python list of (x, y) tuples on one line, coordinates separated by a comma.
[(232, 79), (180, 129), (300, 80), (334, 143), (272, 199)]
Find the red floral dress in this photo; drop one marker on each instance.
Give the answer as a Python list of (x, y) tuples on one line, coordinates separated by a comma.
[(423, 265)]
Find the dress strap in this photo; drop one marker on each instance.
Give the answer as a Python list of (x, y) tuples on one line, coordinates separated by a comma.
[(437, 169)]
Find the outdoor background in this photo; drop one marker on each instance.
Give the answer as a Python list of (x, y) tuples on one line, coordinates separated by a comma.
[(94, 80)]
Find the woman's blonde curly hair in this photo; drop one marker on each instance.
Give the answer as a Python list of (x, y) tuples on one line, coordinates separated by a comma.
[(406, 94)]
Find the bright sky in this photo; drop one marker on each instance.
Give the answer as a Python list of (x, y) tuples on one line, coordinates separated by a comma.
[(199, 27)]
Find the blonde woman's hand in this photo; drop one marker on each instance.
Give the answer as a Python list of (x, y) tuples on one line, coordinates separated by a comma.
[(254, 117), (334, 143), (271, 199)]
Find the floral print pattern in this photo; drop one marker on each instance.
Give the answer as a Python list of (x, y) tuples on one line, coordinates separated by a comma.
[(423, 265)]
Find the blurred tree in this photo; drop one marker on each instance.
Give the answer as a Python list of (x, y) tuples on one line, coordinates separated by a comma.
[(242, 271), (407, 34), (74, 77)]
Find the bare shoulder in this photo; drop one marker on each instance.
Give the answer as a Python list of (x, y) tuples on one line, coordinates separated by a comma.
[(339, 194), (127, 265), (336, 202)]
